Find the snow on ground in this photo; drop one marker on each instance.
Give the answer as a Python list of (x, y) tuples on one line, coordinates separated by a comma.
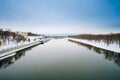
[(14, 44), (112, 47)]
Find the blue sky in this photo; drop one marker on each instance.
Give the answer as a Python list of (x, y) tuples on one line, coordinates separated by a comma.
[(61, 16)]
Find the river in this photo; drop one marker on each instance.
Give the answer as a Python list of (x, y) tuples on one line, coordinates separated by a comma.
[(60, 59)]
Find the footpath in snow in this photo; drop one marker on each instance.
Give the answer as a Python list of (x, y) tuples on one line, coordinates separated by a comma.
[(112, 47)]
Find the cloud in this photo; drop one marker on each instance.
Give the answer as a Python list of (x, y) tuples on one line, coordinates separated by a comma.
[(61, 16)]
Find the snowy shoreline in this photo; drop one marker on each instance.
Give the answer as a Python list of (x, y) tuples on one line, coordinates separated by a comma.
[(13, 44), (12, 50), (111, 47)]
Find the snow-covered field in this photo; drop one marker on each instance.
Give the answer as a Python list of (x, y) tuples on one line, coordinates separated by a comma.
[(112, 47)]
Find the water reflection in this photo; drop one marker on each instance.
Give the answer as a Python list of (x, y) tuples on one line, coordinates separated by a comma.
[(10, 60), (109, 55)]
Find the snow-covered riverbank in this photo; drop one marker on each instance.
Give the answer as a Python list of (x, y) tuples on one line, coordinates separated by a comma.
[(13, 44), (11, 49), (111, 47)]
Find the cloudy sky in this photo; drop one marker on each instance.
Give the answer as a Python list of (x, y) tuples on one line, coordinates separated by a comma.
[(61, 16)]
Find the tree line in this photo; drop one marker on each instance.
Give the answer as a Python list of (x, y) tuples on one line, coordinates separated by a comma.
[(106, 38), (10, 35)]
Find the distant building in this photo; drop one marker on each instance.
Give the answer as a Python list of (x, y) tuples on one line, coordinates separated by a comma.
[(25, 35)]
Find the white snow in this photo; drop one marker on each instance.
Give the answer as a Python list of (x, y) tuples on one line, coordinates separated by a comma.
[(13, 44), (112, 47)]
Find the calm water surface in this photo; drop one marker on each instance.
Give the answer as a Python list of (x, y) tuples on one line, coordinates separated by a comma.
[(60, 59)]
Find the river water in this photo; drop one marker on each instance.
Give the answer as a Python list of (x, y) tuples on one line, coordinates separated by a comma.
[(60, 59)]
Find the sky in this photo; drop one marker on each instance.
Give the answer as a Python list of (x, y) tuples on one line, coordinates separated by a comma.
[(61, 16)]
